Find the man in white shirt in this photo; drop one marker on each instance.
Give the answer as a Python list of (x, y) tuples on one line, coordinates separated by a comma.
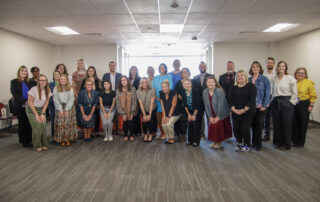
[(270, 74)]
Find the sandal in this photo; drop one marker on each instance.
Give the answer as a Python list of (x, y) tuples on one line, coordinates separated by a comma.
[(150, 138), (68, 143), (44, 148), (131, 139), (39, 149), (125, 139), (145, 138), (63, 144)]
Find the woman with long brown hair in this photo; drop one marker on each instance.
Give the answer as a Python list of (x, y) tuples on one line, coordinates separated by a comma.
[(19, 89), (38, 100)]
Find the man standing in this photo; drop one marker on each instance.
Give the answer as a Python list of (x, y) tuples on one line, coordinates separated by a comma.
[(200, 83), (114, 78), (35, 71), (176, 74), (270, 74), (228, 79)]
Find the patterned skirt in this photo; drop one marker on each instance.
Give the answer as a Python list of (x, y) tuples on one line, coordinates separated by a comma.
[(65, 128)]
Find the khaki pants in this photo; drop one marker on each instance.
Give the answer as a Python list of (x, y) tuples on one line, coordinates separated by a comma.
[(169, 127), (39, 131)]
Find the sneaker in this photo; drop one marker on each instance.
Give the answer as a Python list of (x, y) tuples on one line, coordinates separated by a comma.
[(237, 148), (111, 139), (245, 148), (106, 139)]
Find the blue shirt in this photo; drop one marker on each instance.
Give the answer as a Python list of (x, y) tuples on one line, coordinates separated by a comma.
[(156, 84), (175, 78), (263, 90)]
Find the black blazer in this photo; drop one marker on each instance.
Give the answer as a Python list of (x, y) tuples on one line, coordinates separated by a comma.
[(196, 99), (106, 76), (224, 84), (136, 83), (16, 91), (197, 82)]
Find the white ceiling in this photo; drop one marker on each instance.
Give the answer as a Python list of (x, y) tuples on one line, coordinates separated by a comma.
[(210, 20)]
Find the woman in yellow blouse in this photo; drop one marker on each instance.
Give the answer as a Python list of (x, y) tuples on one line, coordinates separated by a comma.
[(306, 99)]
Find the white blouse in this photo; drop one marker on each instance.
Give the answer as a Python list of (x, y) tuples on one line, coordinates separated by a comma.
[(287, 86)]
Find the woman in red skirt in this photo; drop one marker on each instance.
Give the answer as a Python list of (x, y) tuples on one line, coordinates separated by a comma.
[(218, 113)]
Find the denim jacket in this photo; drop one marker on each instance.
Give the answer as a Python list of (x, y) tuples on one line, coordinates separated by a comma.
[(263, 90)]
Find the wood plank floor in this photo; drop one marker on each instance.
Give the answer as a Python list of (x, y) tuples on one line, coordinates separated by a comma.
[(157, 172)]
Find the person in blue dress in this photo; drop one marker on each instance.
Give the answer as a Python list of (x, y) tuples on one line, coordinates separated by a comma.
[(87, 101), (156, 84)]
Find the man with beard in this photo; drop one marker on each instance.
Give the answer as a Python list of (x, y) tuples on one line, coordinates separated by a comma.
[(200, 82), (227, 80), (270, 74)]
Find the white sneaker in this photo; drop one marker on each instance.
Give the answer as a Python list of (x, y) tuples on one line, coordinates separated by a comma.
[(110, 138), (106, 139)]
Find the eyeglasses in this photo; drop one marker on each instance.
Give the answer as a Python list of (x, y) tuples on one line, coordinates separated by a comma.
[(42, 80), (301, 73)]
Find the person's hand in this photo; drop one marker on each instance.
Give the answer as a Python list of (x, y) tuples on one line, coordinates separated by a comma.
[(89, 116), (246, 108), (85, 117), (148, 118), (124, 117), (211, 119), (165, 120), (38, 119), (66, 114), (130, 117), (262, 109), (189, 117), (60, 114), (106, 115), (193, 118), (42, 118), (310, 108), (179, 96), (216, 119)]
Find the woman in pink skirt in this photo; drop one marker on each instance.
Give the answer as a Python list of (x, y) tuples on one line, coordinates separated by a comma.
[(217, 110)]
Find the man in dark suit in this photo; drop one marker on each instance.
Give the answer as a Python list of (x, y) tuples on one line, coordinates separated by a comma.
[(200, 82), (114, 78), (228, 79)]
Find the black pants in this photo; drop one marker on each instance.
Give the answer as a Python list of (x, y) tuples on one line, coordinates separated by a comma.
[(300, 122), (97, 120), (241, 130), (194, 128), (257, 127), (128, 125), (137, 123), (24, 127), (267, 121), (149, 126), (282, 114)]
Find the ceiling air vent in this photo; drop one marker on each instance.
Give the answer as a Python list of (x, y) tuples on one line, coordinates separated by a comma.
[(247, 33), (93, 34)]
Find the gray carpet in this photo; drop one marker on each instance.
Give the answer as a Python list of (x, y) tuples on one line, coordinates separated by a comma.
[(138, 171)]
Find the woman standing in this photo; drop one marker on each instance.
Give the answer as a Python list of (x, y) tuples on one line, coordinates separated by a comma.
[(52, 85), (107, 100), (38, 100), (65, 126), (284, 98), (191, 99), (307, 97), (242, 99), (262, 84), (134, 79), (19, 89), (126, 102), (156, 84), (87, 101), (179, 88), (62, 69), (146, 97), (171, 113), (217, 110), (92, 75), (150, 73)]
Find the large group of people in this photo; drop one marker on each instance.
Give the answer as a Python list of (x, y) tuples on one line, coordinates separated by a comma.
[(170, 101)]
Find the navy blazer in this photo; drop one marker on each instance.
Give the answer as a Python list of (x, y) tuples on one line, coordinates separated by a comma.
[(106, 76), (196, 99), (197, 82), (16, 91)]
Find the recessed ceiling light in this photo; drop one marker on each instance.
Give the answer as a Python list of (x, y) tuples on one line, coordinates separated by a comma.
[(62, 30), (281, 27), (171, 27)]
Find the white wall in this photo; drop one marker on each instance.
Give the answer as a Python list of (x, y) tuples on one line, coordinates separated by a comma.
[(98, 56), (17, 50), (241, 53), (303, 51)]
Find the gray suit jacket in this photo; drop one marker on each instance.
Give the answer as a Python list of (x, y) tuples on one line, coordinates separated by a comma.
[(219, 103)]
